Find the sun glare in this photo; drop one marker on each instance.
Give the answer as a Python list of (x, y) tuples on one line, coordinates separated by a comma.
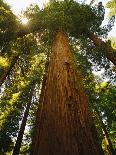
[(24, 21)]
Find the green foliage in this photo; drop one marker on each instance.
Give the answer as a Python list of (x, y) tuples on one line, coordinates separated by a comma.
[(33, 49), (105, 104), (7, 25), (11, 111), (5, 5), (27, 71), (69, 15), (113, 42), (108, 97), (3, 64), (101, 94), (112, 6)]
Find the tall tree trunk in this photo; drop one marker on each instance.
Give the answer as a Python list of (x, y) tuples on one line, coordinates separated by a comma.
[(96, 140), (23, 124), (110, 53), (106, 136), (65, 125), (38, 113), (8, 70)]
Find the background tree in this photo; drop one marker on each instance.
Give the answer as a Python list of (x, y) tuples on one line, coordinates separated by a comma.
[(34, 48)]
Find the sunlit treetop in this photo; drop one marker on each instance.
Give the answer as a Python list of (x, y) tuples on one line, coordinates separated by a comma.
[(69, 15), (8, 24), (112, 6), (3, 62), (5, 5)]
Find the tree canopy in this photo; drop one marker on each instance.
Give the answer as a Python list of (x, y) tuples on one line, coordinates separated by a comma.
[(25, 49)]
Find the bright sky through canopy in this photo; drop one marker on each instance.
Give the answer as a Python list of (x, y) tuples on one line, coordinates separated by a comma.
[(18, 5)]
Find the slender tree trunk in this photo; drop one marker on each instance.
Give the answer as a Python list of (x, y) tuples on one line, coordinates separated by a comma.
[(23, 124), (106, 136), (65, 125), (7, 71), (96, 139), (110, 53)]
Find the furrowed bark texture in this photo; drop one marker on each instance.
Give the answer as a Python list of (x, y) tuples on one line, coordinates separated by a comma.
[(65, 127), (39, 110), (109, 51)]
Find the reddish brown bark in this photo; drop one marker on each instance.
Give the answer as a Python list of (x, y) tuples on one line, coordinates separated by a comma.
[(38, 114), (65, 126), (110, 53)]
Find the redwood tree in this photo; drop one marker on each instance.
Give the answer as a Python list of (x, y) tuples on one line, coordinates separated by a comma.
[(65, 123), (23, 124)]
